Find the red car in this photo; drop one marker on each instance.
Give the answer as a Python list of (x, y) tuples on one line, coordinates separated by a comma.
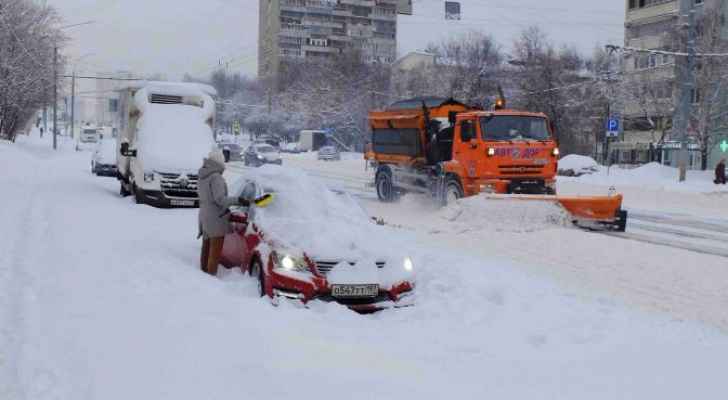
[(311, 243)]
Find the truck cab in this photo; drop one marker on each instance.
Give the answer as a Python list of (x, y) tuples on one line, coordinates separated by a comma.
[(504, 151)]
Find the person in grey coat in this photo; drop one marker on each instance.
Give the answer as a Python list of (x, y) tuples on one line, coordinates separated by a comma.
[(213, 215)]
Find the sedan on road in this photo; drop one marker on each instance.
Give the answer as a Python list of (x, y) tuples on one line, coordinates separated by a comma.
[(259, 154), (312, 244)]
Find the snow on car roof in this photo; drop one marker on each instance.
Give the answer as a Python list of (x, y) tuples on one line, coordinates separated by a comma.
[(305, 215)]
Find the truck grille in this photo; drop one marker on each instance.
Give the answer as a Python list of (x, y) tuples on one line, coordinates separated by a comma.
[(324, 267), (520, 169), (179, 185)]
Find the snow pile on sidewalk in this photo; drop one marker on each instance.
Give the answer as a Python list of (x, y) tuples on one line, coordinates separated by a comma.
[(653, 176), (576, 165), (480, 213)]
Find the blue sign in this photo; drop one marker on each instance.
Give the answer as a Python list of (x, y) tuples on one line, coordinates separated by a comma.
[(613, 126)]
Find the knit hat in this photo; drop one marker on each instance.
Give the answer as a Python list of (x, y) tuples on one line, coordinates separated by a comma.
[(217, 156)]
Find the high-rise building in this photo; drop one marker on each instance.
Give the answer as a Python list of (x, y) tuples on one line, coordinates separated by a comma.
[(318, 29)]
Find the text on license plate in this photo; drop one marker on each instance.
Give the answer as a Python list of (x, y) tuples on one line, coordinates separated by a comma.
[(184, 203), (354, 290)]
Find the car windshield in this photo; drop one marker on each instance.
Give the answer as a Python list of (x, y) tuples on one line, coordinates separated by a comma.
[(514, 127), (265, 149)]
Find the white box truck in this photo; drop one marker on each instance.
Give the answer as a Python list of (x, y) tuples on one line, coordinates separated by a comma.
[(165, 130)]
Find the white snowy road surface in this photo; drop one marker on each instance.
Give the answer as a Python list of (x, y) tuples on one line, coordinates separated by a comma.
[(102, 299)]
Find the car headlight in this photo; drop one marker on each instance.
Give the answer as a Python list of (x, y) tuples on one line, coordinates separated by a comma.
[(408, 265), (149, 177), (260, 157), (290, 263)]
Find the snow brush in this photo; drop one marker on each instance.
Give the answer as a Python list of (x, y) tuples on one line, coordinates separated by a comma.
[(264, 200)]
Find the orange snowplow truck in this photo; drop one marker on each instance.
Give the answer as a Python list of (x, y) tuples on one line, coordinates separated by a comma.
[(451, 150)]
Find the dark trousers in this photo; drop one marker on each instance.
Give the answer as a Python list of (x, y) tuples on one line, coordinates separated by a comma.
[(210, 254)]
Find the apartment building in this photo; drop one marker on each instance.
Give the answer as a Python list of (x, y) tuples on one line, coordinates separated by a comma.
[(318, 29), (654, 24)]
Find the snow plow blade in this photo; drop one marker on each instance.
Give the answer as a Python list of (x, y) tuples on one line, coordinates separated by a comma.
[(588, 212)]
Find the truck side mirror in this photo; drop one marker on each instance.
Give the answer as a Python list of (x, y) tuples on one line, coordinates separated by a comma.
[(126, 152)]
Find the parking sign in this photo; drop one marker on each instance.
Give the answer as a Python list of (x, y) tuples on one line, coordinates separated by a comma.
[(613, 127)]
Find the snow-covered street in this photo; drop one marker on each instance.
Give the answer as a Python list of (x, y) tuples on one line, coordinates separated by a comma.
[(101, 298)]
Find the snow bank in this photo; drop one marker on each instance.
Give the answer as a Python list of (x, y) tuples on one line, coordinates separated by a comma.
[(480, 213), (576, 165), (654, 176)]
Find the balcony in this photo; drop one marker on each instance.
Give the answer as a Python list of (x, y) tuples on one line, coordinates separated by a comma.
[(652, 13), (362, 3)]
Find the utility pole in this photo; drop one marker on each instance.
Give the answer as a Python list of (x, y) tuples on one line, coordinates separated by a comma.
[(687, 77), (55, 97), (73, 103)]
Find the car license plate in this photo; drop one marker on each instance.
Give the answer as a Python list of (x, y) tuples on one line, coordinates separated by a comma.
[(354, 291), (182, 203)]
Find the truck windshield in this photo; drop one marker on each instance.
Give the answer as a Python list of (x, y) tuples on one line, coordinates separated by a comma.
[(514, 127)]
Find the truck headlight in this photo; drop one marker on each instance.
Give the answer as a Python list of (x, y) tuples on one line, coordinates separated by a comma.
[(555, 152), (149, 177), (491, 152), (408, 265), (289, 263)]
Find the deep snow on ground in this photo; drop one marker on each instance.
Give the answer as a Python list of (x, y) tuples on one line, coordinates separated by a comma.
[(654, 176), (101, 298)]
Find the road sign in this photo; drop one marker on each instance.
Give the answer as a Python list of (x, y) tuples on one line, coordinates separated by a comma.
[(724, 146), (613, 127)]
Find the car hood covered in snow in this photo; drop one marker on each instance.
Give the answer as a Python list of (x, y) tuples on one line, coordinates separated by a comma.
[(306, 217)]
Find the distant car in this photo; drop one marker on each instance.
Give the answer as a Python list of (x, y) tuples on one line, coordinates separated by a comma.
[(231, 150), (283, 247), (291, 148), (259, 154), (87, 139), (103, 160), (329, 153)]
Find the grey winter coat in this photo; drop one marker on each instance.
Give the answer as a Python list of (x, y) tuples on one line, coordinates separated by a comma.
[(214, 200)]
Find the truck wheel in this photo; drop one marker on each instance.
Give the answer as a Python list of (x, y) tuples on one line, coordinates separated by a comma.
[(385, 186), (453, 191)]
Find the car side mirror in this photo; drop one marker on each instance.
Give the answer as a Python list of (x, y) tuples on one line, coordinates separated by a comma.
[(126, 152)]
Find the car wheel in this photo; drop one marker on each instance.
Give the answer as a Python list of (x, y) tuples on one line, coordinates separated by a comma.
[(256, 271), (385, 186), (453, 191)]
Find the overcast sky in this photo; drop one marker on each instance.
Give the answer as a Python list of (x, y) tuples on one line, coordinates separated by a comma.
[(173, 37)]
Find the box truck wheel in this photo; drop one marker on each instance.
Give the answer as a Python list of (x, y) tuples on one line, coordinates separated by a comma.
[(385, 185)]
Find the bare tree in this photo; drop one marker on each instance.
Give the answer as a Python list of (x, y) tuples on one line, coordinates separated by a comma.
[(27, 39)]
